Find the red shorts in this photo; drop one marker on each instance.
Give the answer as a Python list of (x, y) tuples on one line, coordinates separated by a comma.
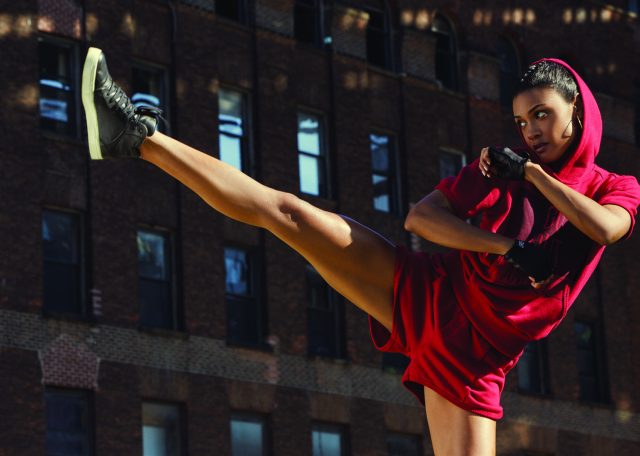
[(446, 352)]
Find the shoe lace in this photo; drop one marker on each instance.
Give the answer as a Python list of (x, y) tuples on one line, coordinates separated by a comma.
[(119, 101), (151, 111)]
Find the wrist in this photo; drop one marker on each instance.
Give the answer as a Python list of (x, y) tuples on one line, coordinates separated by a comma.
[(531, 170), (505, 245)]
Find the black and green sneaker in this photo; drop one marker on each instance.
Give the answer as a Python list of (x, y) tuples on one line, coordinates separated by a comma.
[(115, 127)]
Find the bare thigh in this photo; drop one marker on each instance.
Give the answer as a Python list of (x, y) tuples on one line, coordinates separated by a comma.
[(458, 432), (354, 260)]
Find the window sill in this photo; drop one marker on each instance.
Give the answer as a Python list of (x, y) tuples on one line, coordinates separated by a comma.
[(72, 317), (163, 332), (329, 359), (264, 347)]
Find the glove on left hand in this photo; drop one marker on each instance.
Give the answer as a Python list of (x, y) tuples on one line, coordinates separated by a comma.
[(531, 259), (506, 164)]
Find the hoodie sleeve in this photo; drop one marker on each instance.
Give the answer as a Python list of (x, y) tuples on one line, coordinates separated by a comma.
[(622, 191), (469, 192)]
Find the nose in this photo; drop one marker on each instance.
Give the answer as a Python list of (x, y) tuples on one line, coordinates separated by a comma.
[(532, 131)]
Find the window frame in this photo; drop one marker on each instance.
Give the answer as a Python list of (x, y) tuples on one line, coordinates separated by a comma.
[(508, 79), (415, 437), (247, 157), (597, 355), (325, 188), (243, 12), (87, 397), (74, 51), (170, 251), (83, 301), (393, 172), (316, 7)]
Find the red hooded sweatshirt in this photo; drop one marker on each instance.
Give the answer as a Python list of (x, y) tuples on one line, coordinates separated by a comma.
[(497, 298)]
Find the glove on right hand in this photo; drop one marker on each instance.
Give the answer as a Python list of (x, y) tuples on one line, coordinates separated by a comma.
[(531, 259), (506, 164)]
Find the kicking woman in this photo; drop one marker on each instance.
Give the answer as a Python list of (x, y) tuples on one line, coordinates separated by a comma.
[(463, 318)]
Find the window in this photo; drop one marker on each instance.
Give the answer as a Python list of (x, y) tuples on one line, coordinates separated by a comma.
[(150, 89), (589, 366), (161, 433), (509, 71), (248, 436), (306, 22), (232, 121), (383, 164), (394, 363), (244, 313), (231, 9), (69, 423), (633, 6), (155, 274), (532, 369), (58, 97), (378, 39), (312, 156), (327, 440), (62, 271), (446, 56), (451, 162), (404, 445), (325, 317)]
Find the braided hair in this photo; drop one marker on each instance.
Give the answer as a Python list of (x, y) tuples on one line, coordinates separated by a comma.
[(548, 74)]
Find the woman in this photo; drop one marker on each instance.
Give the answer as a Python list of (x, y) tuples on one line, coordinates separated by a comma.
[(464, 317)]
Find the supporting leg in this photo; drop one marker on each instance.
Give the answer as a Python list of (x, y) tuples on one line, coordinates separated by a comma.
[(354, 260), (457, 432)]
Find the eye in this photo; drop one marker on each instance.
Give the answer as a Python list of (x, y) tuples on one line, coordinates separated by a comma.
[(541, 114), (521, 123)]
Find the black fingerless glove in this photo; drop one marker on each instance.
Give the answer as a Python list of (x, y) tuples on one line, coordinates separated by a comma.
[(531, 259), (506, 164)]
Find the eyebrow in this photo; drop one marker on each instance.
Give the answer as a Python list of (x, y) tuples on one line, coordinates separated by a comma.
[(531, 110)]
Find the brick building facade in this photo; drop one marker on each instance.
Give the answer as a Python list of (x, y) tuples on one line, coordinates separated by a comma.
[(120, 289)]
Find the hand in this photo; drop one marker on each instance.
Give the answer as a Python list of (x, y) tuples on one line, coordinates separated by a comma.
[(503, 163), (533, 260)]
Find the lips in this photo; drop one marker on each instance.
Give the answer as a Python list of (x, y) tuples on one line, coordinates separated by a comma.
[(539, 147)]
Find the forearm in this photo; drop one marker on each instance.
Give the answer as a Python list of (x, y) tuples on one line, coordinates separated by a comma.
[(438, 225), (596, 221)]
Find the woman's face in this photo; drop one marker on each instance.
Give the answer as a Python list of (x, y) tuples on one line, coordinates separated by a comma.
[(545, 119)]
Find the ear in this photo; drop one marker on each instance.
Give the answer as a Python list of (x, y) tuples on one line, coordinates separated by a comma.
[(577, 104)]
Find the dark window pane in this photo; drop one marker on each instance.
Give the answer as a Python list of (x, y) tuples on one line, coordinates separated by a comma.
[(238, 280), (231, 9), (450, 164), (590, 388), (383, 176), (62, 287), (306, 21), (160, 430), (152, 256), (247, 437), (243, 321), (155, 304), (403, 445), (149, 89), (445, 60), (394, 363), (530, 372), (57, 87), (325, 317), (377, 40), (68, 431), (509, 70)]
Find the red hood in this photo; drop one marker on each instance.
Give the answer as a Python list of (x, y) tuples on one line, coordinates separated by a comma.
[(575, 165)]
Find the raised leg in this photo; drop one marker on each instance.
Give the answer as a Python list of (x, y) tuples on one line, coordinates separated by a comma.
[(457, 432), (354, 260)]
